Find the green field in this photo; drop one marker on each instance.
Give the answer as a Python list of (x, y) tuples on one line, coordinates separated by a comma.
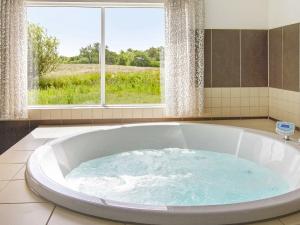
[(80, 84)]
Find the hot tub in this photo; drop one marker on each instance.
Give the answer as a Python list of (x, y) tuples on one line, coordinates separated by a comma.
[(48, 166)]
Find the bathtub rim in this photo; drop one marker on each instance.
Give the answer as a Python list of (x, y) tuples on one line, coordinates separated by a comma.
[(46, 187)]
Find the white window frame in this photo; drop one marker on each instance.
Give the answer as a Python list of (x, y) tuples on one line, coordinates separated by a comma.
[(101, 5)]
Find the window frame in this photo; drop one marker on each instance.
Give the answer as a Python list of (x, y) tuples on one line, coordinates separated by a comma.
[(101, 5)]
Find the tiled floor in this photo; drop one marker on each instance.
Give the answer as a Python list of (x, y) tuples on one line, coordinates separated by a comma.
[(19, 206)]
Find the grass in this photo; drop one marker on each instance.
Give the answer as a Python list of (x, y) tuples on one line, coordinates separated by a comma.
[(122, 87)]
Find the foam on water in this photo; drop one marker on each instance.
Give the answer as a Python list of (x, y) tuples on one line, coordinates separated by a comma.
[(176, 177)]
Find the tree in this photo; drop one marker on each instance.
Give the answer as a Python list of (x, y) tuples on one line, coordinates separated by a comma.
[(140, 59), (44, 49), (153, 53), (111, 58), (90, 54)]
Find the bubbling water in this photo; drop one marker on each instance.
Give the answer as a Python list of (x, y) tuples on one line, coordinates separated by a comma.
[(177, 177)]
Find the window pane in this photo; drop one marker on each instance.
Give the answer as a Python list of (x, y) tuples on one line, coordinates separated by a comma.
[(63, 55), (134, 39)]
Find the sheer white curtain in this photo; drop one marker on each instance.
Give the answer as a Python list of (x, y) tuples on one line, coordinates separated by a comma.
[(184, 58), (13, 60)]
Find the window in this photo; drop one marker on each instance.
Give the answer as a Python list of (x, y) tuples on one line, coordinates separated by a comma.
[(88, 56)]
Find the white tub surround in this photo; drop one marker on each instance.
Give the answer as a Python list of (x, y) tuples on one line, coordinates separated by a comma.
[(50, 163)]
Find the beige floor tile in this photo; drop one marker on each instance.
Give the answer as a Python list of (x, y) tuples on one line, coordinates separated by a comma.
[(8, 171), (30, 142), (25, 214), (272, 222), (15, 157), (66, 217), (16, 191), (293, 219), (21, 174)]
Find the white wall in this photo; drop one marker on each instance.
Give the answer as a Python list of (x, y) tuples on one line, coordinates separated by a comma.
[(283, 12), (237, 14)]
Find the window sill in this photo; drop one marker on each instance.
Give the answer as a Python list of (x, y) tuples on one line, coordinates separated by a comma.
[(132, 106)]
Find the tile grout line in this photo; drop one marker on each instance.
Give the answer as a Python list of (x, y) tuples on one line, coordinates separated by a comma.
[(48, 220), (240, 37), (211, 64), (12, 179), (282, 48), (23, 203), (2, 188), (298, 56), (268, 62), (280, 221)]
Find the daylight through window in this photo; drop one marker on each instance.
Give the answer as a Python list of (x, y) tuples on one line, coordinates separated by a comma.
[(65, 63)]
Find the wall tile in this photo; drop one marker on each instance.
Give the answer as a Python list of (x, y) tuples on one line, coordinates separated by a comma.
[(76, 114), (207, 58), (254, 92), (225, 102), (157, 113), (97, 113), (264, 92), (291, 57), (245, 101), (45, 114), (66, 114), (225, 58), (254, 59), (137, 113), (107, 113), (275, 58), (216, 112), (207, 102), (235, 92), (207, 92), (34, 114), (86, 113), (127, 113), (245, 111), (226, 111), (207, 112), (216, 102), (147, 113), (11, 132), (235, 111), (235, 102), (117, 113), (225, 92), (245, 92), (55, 114), (216, 92)]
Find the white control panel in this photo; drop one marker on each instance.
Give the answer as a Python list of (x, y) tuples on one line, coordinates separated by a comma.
[(285, 129)]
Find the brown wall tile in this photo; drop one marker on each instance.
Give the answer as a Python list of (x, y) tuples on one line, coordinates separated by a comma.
[(225, 58), (207, 58), (291, 57), (11, 132), (275, 58), (254, 61)]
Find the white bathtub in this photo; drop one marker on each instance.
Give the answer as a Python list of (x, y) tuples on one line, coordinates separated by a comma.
[(50, 163)]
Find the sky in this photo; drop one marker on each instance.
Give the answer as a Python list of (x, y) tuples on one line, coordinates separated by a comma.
[(137, 28)]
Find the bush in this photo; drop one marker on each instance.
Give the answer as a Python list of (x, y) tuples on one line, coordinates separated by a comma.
[(121, 88)]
